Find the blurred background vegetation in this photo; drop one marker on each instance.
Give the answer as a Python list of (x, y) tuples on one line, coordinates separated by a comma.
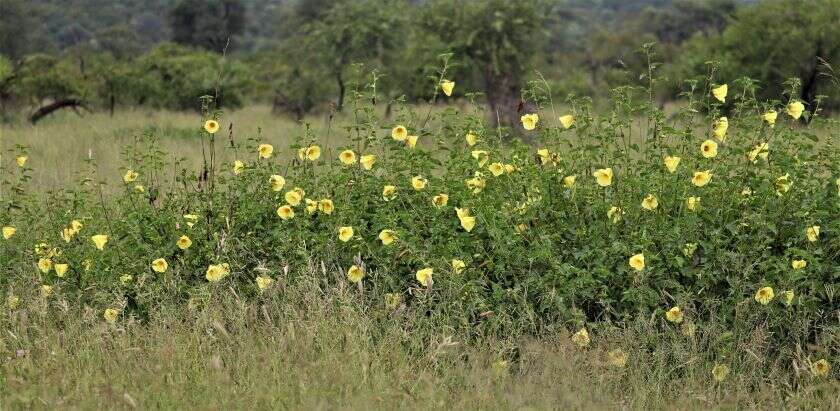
[(305, 56)]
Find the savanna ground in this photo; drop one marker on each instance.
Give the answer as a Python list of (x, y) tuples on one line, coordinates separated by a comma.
[(311, 344)]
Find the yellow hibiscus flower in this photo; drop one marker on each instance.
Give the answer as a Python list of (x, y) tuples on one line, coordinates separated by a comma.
[(424, 276), (184, 242), (795, 109), (399, 133), (701, 178), (99, 241), (367, 161), (326, 206), (238, 167), (603, 176), (650, 203), (529, 121), (211, 126), (110, 315), (418, 182), (637, 261), (130, 176), (217, 272), (720, 127), (671, 163), (293, 198), (719, 92), (264, 282), (569, 181), (674, 315), (387, 237), (347, 157), (277, 182), (159, 265), (471, 139), (389, 193), (9, 232), (265, 150), (285, 212), (798, 264), (692, 203), (355, 274), (21, 160), (567, 121), (496, 169), (813, 233), (345, 233), (447, 87), (581, 338), (764, 295), (458, 265), (615, 214), (709, 149), (770, 117), (440, 200)]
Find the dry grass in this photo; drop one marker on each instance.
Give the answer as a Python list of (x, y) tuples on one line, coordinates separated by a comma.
[(311, 346)]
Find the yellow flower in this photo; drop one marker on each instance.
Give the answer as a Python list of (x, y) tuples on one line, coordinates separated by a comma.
[(471, 138), (293, 197), (347, 157), (424, 276), (720, 127), (671, 163), (567, 121), (285, 212), (813, 233), (130, 176), (637, 262), (770, 117), (389, 193), (467, 221), (126, 279), (345, 233), (265, 150), (87, 264), (277, 182), (719, 372), (192, 218), (764, 295), (45, 265), (689, 249), (820, 368), (795, 109), (61, 269), (510, 168), (615, 213), (160, 265), (618, 357), (720, 92), (46, 290), (367, 161), (462, 212), (399, 133), (798, 264), (326, 206), (392, 300), (476, 184), (701, 178), (788, 296), (67, 234), (217, 272), (13, 302), (709, 149), (783, 184), (311, 206), (311, 153), (529, 121), (603, 176), (458, 265), (139, 188), (264, 282), (581, 338), (674, 315), (184, 242), (387, 236), (21, 160), (411, 141), (569, 181), (211, 126), (440, 200), (447, 87), (496, 169), (692, 203), (545, 155), (650, 203), (418, 182), (355, 274), (8, 232), (76, 226), (482, 156), (760, 151), (111, 314), (99, 241)]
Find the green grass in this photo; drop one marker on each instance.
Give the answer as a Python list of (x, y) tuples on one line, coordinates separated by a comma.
[(314, 346)]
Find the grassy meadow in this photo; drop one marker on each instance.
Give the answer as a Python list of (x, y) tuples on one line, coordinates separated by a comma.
[(533, 303)]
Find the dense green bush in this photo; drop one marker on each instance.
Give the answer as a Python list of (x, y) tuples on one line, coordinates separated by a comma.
[(550, 242)]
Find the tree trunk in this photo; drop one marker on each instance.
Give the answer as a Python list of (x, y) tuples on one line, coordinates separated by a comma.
[(504, 99), (810, 76), (341, 90)]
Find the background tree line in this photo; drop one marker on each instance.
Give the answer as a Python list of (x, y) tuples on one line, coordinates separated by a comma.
[(306, 55)]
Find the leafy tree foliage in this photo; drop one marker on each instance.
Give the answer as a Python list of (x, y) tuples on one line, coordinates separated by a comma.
[(209, 24)]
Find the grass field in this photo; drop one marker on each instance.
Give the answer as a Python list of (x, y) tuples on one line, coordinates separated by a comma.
[(321, 343)]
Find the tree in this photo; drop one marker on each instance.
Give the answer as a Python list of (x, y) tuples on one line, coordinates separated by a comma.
[(209, 24), (496, 37), (15, 26)]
